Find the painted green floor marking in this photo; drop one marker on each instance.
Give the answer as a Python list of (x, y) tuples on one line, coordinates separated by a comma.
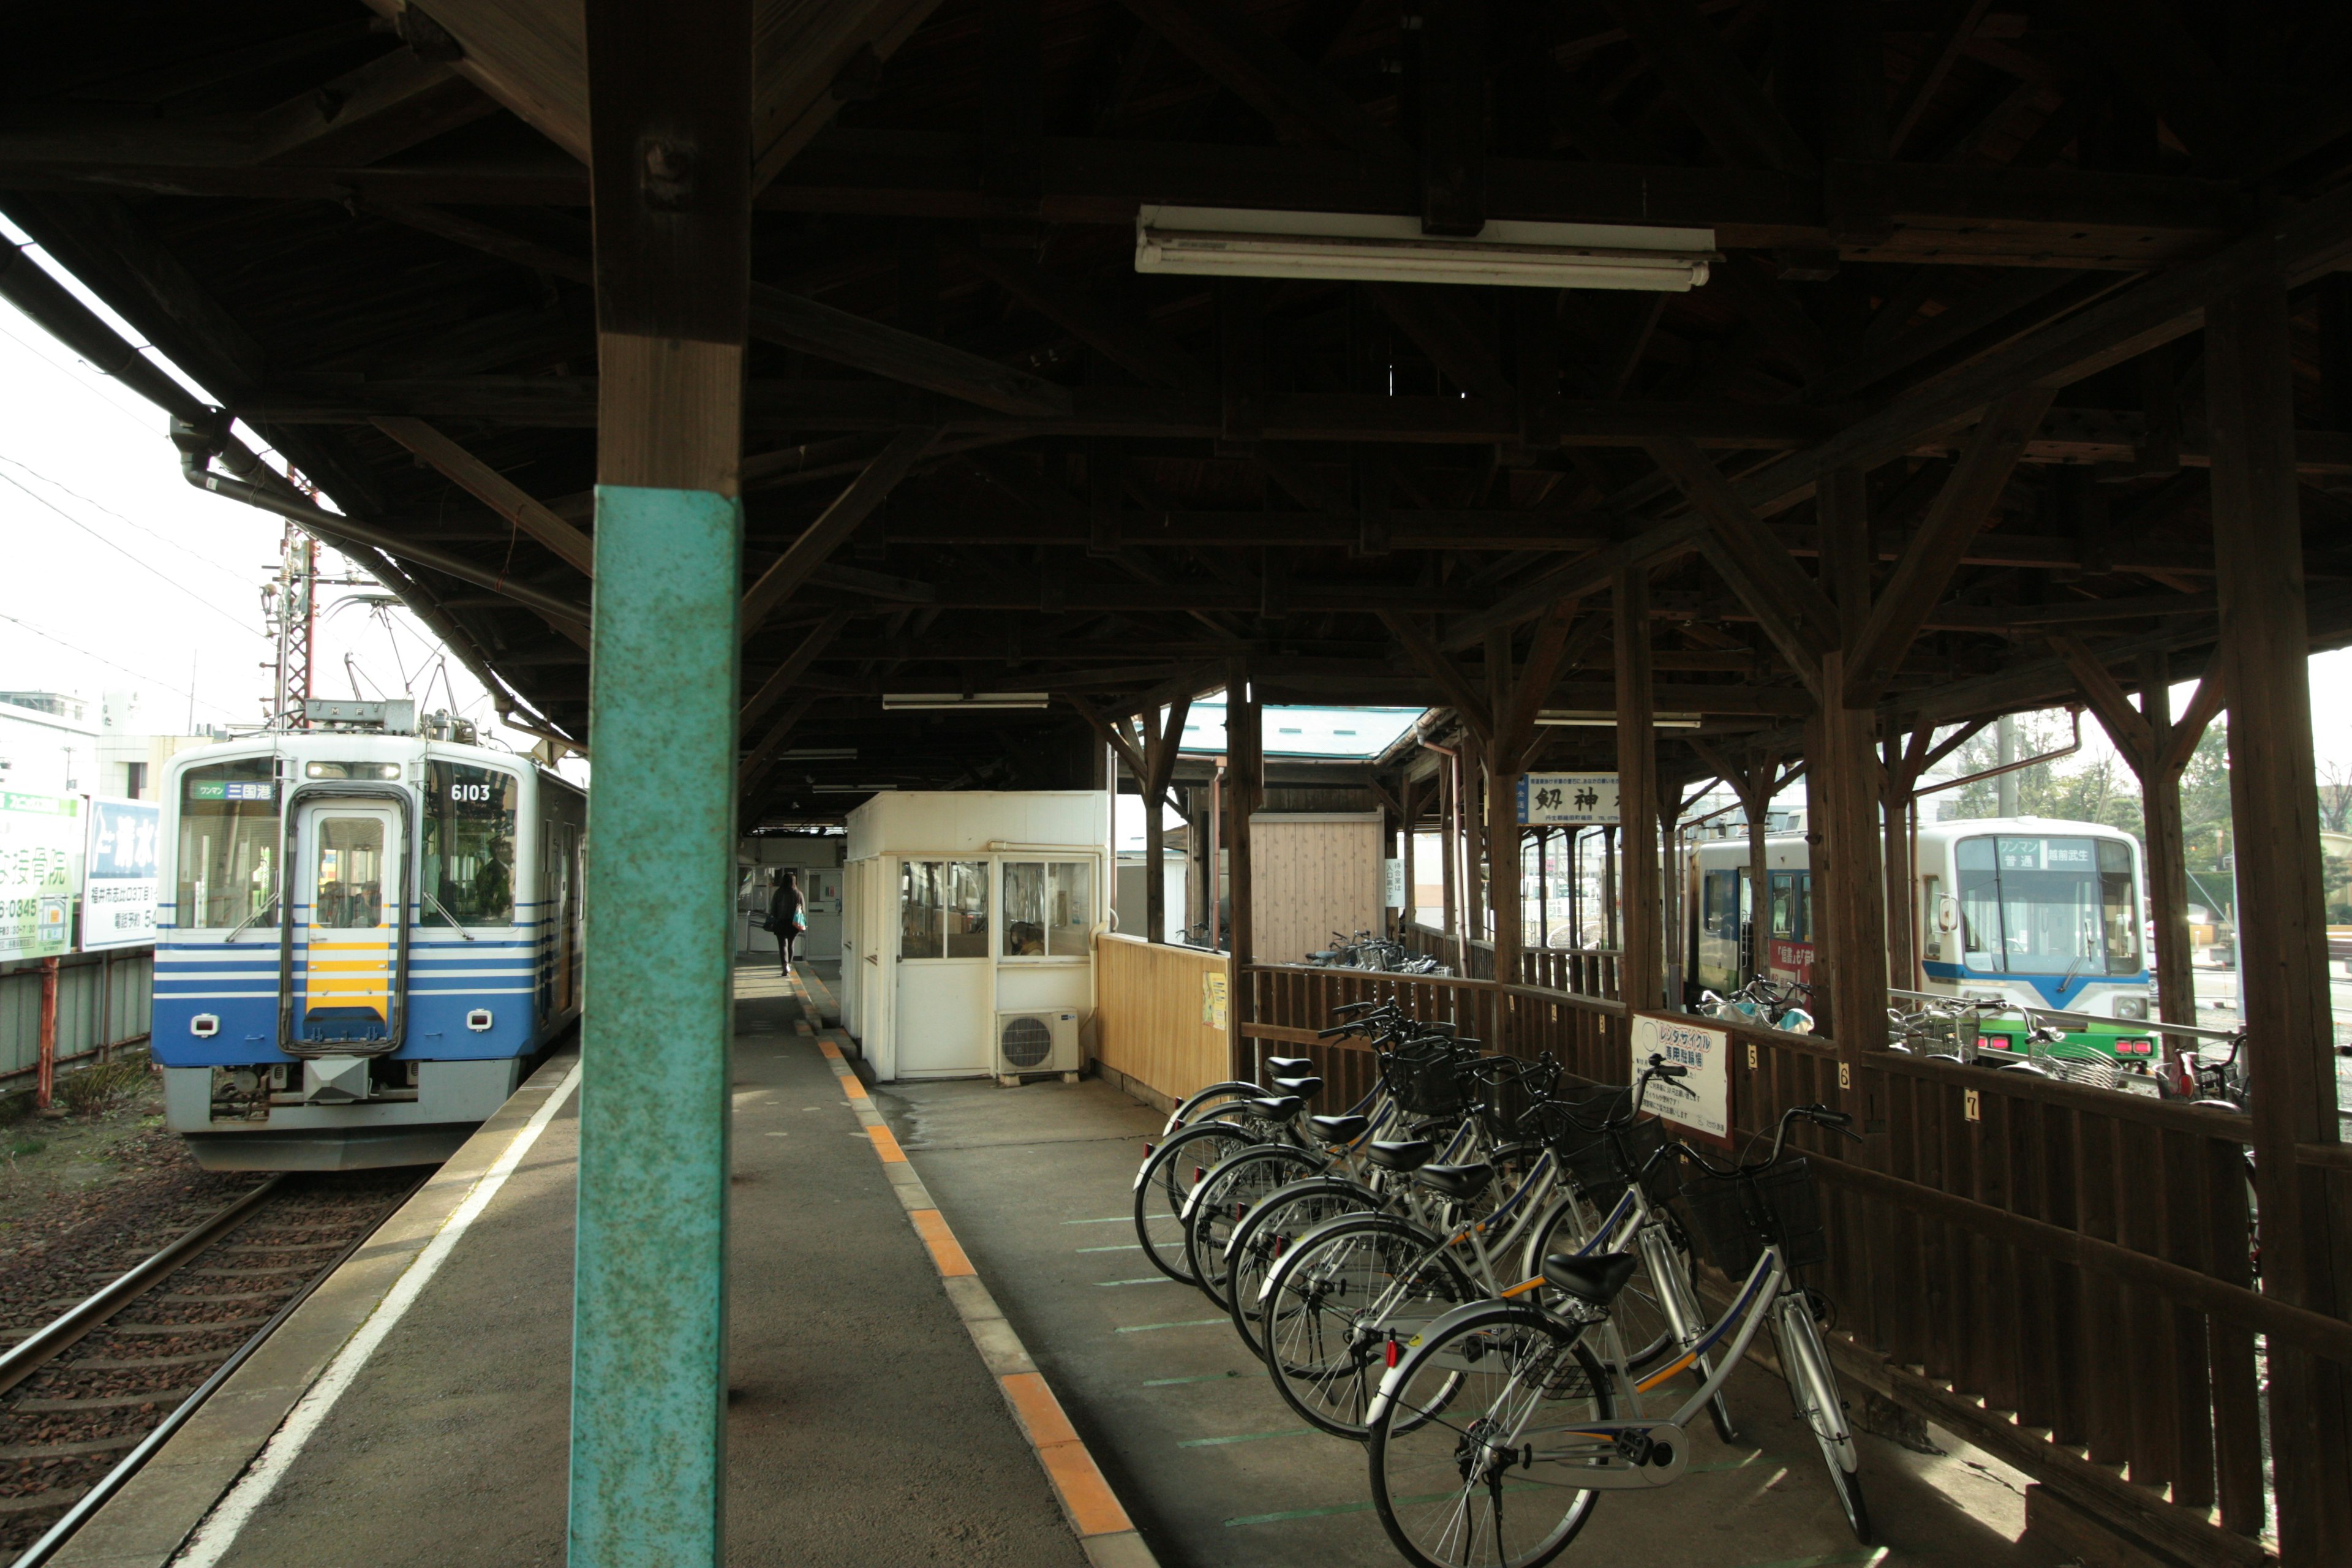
[(1122, 1247), (1115, 1219), (1204, 1377), (1866, 1555), (1245, 1438), (1154, 1279)]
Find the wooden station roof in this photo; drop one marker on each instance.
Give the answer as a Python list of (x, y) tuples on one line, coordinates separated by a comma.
[(1965, 247)]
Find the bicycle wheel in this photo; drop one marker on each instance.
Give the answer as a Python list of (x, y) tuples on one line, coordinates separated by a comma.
[(1638, 1312), (1336, 1300), (1476, 1453), (1273, 1227), (1224, 1198), (1167, 1179), (1813, 1389)]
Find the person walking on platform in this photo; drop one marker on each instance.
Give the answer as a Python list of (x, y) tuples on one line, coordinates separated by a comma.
[(786, 917)]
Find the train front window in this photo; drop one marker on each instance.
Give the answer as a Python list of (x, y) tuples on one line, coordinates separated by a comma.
[(469, 845), (2048, 906), (348, 894), (227, 871)]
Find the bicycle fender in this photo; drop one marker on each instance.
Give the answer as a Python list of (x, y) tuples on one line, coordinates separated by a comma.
[(1420, 1345)]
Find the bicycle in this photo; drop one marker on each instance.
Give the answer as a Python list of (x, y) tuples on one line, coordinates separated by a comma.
[(1341, 1298), (1506, 1397)]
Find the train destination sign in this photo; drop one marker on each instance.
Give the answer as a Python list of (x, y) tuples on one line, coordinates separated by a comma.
[(1576, 800)]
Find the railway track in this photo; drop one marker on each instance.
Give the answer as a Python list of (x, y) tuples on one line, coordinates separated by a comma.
[(86, 1396)]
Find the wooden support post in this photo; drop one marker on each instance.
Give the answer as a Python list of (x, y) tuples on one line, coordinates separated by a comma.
[(44, 1078), (1503, 870), (2265, 648), (1410, 798), (2168, 855), (1643, 942), (1543, 887), (1475, 790), (670, 181), (1449, 810), (1848, 879), (1246, 788)]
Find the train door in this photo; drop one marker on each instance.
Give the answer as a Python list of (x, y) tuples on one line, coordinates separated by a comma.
[(351, 867)]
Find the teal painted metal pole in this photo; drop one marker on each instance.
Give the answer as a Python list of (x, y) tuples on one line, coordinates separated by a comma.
[(649, 1327)]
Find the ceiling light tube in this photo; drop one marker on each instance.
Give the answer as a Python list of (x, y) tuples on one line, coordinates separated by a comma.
[(898, 701), (1375, 248), (1572, 719)]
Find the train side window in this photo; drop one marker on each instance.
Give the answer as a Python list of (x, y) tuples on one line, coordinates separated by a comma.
[(225, 869), (1720, 903), (469, 845), (1805, 905), (1786, 914)]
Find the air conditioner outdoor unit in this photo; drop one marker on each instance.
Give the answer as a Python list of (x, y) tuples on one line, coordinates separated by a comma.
[(1037, 1041)]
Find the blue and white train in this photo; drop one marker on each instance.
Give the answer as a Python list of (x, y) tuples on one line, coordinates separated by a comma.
[(366, 938)]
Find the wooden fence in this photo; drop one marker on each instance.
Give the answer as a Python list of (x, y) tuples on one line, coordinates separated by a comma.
[(2063, 1275), (1151, 1022), (1586, 971)]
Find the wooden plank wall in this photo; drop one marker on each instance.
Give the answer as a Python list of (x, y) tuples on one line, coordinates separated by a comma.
[(1315, 874), (1147, 1017)]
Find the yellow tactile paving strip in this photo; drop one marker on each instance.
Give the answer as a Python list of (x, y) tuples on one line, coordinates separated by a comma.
[(1103, 1526)]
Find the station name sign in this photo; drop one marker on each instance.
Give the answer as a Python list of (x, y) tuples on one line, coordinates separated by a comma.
[(1569, 800)]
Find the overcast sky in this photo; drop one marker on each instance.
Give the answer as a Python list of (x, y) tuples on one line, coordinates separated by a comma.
[(120, 575), (117, 574)]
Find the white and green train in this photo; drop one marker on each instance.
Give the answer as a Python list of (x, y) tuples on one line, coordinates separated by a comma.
[(2031, 911)]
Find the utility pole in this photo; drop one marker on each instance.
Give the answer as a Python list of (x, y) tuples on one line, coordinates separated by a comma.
[(292, 606), (2005, 735)]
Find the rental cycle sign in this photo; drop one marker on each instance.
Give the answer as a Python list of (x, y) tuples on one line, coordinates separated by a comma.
[(1700, 1101), (40, 871)]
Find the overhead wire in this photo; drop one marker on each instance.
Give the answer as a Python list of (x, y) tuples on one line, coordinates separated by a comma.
[(139, 675), (143, 566)]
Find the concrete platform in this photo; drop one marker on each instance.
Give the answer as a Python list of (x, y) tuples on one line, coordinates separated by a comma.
[(864, 1427), (1217, 1472)]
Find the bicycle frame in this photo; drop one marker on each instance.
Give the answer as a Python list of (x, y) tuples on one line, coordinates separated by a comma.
[(1636, 1453)]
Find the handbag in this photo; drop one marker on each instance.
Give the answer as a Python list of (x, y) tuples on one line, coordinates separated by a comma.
[(799, 918)]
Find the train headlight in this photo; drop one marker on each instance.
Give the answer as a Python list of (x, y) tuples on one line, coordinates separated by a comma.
[(205, 1026), (479, 1020), (2131, 1006)]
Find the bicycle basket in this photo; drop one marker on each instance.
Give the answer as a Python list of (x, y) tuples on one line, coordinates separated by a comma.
[(1603, 1163), (1735, 1216), (1427, 1082)]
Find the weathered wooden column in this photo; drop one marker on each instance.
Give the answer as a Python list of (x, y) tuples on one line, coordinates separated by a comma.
[(670, 90), (1408, 798), (1543, 887), (1245, 788), (1475, 788), (1608, 884), (1163, 739), (1449, 843), (1643, 969), (1849, 884), (2265, 650)]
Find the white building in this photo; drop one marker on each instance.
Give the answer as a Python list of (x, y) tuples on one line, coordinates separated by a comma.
[(131, 755), (48, 743)]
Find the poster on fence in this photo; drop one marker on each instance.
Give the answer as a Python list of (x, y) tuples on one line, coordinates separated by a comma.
[(118, 884), (40, 866), (1553, 800), (1700, 1102)]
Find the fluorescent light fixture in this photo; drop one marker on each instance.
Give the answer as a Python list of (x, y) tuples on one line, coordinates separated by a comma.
[(1574, 719), (1376, 247), (898, 700), (821, 755)]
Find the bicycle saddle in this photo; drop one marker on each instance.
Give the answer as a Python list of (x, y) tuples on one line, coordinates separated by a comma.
[(1457, 1180), (1289, 1067), (1305, 1088), (1596, 1279), (1338, 1129), (1402, 1154), (1278, 1108)]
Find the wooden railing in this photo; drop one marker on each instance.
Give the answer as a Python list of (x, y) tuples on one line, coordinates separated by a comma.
[(1149, 1023), (2063, 1275), (1586, 971)]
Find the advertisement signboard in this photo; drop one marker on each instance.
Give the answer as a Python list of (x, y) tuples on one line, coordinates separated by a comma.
[(1573, 800), (117, 887), (1699, 1103), (40, 869)]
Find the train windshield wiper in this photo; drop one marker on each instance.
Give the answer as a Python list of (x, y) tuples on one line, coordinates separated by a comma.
[(443, 911), (256, 915)]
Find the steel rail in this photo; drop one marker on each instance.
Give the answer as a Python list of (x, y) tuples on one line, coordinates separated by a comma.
[(28, 1355), (103, 1489)]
